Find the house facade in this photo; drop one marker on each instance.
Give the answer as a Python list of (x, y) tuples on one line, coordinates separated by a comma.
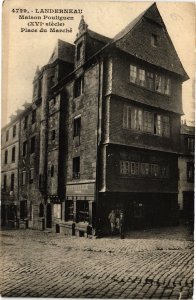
[(186, 173), (9, 173), (106, 132)]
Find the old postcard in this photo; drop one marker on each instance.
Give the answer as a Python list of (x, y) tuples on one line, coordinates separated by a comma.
[(98, 136)]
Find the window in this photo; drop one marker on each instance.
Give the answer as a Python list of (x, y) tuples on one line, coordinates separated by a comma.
[(79, 51), (82, 211), (24, 177), (7, 135), (148, 121), (141, 75), (24, 150), (33, 144), (154, 170), (154, 40), (53, 134), (167, 86), (14, 130), (161, 125), (166, 126), (33, 120), (76, 131), (79, 86), (124, 167), (13, 154), (69, 210), (31, 175), (138, 119), (127, 110), (144, 169), (157, 124), (133, 73), (12, 182), (151, 80), (77, 126), (52, 171), (5, 183), (6, 156), (137, 75), (158, 83), (132, 168), (162, 84), (25, 122), (190, 171), (191, 144), (135, 168), (76, 167)]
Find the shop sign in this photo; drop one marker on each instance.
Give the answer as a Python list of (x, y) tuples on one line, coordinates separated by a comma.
[(81, 189)]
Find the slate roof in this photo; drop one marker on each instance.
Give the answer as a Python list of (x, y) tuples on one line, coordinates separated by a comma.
[(133, 41), (101, 38), (63, 51), (128, 28)]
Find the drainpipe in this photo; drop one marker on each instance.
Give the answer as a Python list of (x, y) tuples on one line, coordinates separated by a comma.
[(18, 166), (99, 137)]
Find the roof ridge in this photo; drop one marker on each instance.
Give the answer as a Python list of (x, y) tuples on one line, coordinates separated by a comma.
[(131, 25)]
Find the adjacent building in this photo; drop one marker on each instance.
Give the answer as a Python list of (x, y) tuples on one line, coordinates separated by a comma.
[(186, 172), (103, 132), (9, 173)]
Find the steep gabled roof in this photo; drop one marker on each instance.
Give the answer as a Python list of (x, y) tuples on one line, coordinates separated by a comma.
[(63, 51), (135, 39), (101, 38), (128, 28)]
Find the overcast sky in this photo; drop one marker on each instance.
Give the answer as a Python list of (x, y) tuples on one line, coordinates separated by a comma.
[(23, 52)]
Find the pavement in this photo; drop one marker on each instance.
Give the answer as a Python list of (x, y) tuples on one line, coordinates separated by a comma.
[(151, 264)]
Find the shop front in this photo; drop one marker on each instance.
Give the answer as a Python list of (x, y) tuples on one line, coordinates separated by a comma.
[(141, 210), (80, 208)]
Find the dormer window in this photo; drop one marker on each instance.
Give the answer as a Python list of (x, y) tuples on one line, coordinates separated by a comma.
[(154, 40), (79, 51)]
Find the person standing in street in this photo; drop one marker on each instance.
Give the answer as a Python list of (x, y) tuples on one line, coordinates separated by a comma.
[(121, 225), (112, 219)]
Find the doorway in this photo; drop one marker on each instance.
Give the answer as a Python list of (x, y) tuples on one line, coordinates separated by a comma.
[(49, 216)]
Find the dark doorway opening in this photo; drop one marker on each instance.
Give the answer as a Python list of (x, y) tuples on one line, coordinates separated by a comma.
[(49, 216), (57, 228), (188, 205), (23, 209), (3, 215)]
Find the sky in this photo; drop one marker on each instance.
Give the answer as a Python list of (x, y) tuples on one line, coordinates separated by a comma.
[(23, 51)]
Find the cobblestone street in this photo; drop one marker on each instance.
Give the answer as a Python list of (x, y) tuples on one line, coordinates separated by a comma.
[(150, 264)]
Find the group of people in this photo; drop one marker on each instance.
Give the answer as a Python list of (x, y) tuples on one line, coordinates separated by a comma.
[(116, 218)]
